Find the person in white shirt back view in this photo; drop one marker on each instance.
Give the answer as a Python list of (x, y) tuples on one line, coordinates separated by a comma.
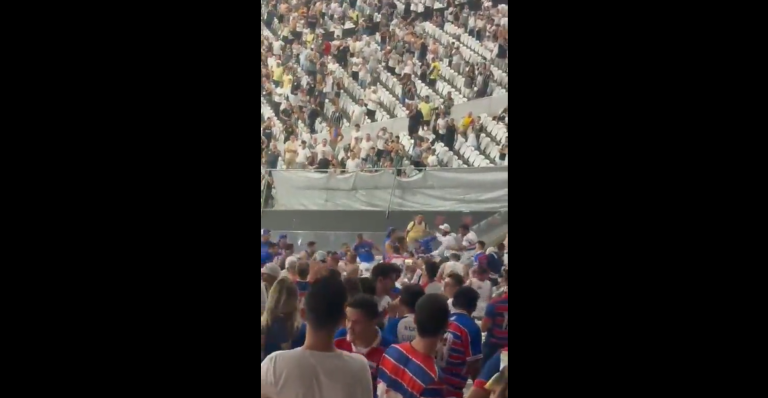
[(453, 265), (318, 369), (482, 284), (358, 114)]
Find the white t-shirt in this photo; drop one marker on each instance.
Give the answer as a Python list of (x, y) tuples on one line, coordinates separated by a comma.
[(354, 164), (447, 242), (406, 329), (408, 68), (450, 306), (277, 47), (393, 60), (485, 290), (357, 116), (366, 145), (356, 64), (469, 241), (371, 104), (356, 134), (383, 303), (303, 155), (301, 373), (453, 266), (323, 151), (434, 287), (381, 138)]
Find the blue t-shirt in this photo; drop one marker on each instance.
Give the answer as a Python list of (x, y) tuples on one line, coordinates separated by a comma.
[(495, 264), (364, 251), (301, 336), (266, 256), (489, 370)]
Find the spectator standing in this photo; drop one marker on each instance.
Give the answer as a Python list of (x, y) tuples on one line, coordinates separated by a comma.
[(384, 276), (291, 150), (342, 374), (402, 328), (431, 285), (450, 134), (373, 104), (451, 285), (414, 362), (281, 317), (459, 358), (495, 323), (481, 283), (302, 156), (361, 334)]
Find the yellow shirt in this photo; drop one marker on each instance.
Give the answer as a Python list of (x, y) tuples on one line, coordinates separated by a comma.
[(426, 110), (310, 38), (354, 15), (465, 123), (418, 232), (436, 70), (287, 82), (291, 149), (277, 73)]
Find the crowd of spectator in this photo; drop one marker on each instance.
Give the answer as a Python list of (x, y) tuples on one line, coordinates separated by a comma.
[(335, 64), (406, 322)]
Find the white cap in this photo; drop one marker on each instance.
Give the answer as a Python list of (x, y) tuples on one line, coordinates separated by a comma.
[(271, 269), (445, 227)]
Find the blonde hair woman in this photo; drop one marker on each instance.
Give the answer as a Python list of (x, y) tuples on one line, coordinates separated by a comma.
[(281, 318)]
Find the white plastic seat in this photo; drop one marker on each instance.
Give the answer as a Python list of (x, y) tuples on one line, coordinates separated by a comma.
[(472, 156), (466, 151), (484, 143), (477, 160)]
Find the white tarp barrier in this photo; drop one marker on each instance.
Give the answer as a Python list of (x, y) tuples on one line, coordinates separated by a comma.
[(454, 189)]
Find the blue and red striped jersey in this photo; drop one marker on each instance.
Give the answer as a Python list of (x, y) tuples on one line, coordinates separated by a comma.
[(405, 372), (461, 345), (303, 287), (493, 366), (496, 312), (372, 355)]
